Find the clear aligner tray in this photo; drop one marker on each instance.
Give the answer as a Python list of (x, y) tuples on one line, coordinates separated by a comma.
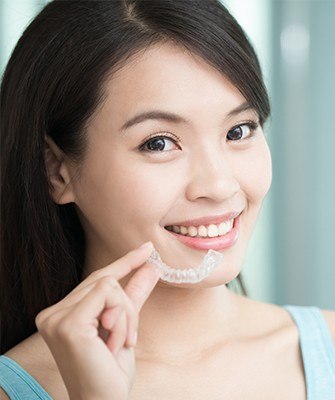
[(209, 262)]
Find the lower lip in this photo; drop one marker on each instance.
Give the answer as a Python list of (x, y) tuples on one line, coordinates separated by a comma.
[(216, 243)]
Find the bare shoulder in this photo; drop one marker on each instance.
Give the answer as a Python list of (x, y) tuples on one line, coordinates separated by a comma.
[(22, 354), (269, 313), (34, 356), (3, 395), (330, 319), (19, 354), (266, 320), (26, 353), (278, 317)]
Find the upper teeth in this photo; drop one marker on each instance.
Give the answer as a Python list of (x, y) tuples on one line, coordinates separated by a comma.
[(202, 230)]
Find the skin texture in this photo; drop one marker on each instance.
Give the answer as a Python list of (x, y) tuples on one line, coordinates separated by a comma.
[(125, 197)]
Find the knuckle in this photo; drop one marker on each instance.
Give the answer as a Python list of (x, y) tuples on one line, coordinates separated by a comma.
[(45, 325), (50, 324), (104, 286), (108, 282), (42, 317), (111, 286), (39, 319)]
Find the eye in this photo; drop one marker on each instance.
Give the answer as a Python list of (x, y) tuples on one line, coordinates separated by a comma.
[(157, 143), (242, 132)]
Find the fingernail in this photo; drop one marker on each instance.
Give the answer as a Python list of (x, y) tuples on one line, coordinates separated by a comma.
[(146, 245)]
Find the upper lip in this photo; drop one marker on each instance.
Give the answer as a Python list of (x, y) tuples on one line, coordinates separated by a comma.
[(211, 219)]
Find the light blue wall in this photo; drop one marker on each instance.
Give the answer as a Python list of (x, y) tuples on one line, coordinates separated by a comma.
[(303, 147), (14, 17)]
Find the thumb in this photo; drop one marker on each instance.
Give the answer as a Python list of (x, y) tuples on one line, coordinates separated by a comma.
[(141, 285)]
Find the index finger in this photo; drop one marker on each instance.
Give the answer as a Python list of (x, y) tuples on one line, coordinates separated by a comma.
[(129, 262), (119, 268)]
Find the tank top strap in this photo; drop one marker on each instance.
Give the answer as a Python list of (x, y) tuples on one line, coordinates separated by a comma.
[(318, 351), (18, 384)]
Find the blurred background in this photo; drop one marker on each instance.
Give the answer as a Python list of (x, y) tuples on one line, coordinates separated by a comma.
[(291, 257)]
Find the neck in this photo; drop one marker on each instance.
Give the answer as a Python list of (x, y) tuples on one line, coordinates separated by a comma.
[(181, 325)]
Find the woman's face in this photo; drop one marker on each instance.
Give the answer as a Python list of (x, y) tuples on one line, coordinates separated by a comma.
[(131, 188)]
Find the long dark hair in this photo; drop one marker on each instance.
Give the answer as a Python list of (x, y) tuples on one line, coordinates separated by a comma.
[(53, 83)]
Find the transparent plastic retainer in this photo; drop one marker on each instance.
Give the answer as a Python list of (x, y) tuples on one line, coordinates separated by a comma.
[(210, 261)]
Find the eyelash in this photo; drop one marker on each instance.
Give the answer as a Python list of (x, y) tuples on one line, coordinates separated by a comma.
[(252, 125)]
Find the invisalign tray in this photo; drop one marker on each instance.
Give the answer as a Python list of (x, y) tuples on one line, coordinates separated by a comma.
[(191, 275)]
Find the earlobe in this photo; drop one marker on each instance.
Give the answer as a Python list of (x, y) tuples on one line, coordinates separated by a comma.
[(58, 173)]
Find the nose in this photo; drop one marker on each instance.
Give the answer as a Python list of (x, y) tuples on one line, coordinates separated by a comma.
[(212, 176)]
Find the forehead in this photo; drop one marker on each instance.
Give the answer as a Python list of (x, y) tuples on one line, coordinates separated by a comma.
[(167, 76)]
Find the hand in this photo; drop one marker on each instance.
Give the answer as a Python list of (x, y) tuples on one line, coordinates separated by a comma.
[(89, 332)]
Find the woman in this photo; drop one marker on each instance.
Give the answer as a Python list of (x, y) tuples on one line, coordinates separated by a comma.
[(127, 122)]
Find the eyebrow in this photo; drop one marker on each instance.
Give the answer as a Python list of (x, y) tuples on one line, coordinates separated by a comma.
[(175, 118)]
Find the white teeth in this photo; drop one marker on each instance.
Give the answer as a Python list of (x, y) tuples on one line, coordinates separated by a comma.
[(213, 231), (183, 230), (192, 231), (222, 229), (202, 231), (225, 227)]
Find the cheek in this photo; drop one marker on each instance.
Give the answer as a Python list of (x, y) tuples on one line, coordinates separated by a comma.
[(135, 195), (254, 172), (149, 191)]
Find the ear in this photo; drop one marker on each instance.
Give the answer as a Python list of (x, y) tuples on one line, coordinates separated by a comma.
[(58, 171)]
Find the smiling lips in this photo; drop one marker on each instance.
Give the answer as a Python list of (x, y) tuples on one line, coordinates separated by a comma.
[(212, 236), (210, 231)]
